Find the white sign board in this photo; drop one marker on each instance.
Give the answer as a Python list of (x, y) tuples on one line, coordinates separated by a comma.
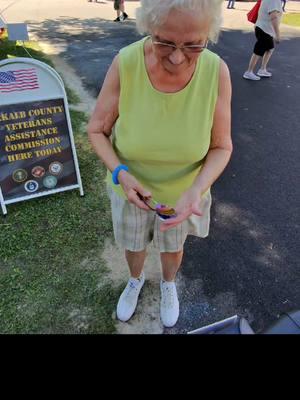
[(37, 151)]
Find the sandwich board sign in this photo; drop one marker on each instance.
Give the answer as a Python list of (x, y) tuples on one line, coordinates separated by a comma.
[(37, 150)]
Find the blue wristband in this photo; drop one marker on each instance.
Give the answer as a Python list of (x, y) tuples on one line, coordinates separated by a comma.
[(116, 171)]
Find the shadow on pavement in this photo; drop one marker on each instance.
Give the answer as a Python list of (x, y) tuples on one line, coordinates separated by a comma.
[(88, 45)]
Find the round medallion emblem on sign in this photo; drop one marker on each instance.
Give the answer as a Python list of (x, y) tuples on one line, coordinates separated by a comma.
[(31, 186), (38, 171), (50, 181), (55, 168), (19, 175)]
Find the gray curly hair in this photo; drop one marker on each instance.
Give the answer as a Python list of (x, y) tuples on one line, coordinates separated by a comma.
[(152, 13)]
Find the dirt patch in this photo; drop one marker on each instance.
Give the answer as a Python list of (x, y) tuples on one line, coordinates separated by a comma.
[(146, 319), (87, 103)]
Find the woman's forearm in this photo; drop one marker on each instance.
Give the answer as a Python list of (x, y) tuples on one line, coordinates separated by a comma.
[(215, 163), (104, 150)]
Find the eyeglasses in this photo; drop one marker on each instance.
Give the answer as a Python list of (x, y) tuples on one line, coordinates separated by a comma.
[(164, 212), (167, 48)]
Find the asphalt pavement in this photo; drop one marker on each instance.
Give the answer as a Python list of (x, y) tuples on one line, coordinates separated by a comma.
[(249, 264)]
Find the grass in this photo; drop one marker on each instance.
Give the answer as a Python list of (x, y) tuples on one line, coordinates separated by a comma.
[(52, 277), (15, 49), (292, 19)]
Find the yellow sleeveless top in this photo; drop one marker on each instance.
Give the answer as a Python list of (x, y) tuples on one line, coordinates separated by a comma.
[(163, 138)]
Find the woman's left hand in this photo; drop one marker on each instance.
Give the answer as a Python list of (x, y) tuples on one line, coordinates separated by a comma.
[(187, 205)]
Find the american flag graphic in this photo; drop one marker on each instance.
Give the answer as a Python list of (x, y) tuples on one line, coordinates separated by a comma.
[(19, 80)]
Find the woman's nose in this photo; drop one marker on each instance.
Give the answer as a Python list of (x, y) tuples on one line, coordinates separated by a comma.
[(177, 57)]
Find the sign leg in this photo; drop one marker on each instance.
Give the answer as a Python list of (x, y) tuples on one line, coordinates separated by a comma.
[(4, 210)]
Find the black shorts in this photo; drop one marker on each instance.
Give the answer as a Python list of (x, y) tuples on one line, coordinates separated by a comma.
[(264, 42), (117, 4)]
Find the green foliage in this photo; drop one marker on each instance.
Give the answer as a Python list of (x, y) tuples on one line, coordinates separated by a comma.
[(79, 120), (72, 96), (291, 19), (52, 276), (9, 49)]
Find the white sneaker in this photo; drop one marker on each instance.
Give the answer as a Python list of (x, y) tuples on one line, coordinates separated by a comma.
[(251, 76), (129, 298), (264, 73), (169, 305)]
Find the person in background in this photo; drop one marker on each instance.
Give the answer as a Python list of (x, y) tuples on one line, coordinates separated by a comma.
[(166, 105), (283, 5), (266, 32), (120, 8), (231, 4)]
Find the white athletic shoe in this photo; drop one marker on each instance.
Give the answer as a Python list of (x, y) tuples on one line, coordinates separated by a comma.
[(264, 73), (251, 76), (169, 305), (128, 300)]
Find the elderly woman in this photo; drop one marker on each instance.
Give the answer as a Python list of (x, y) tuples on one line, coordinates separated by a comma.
[(166, 99)]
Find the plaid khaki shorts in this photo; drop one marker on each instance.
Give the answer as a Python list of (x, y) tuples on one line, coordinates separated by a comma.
[(135, 228)]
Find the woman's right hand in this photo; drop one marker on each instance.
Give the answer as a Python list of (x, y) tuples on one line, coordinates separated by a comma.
[(131, 187)]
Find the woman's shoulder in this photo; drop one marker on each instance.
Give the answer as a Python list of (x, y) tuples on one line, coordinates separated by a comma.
[(211, 59), (132, 48), (130, 58), (214, 64), (211, 55)]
